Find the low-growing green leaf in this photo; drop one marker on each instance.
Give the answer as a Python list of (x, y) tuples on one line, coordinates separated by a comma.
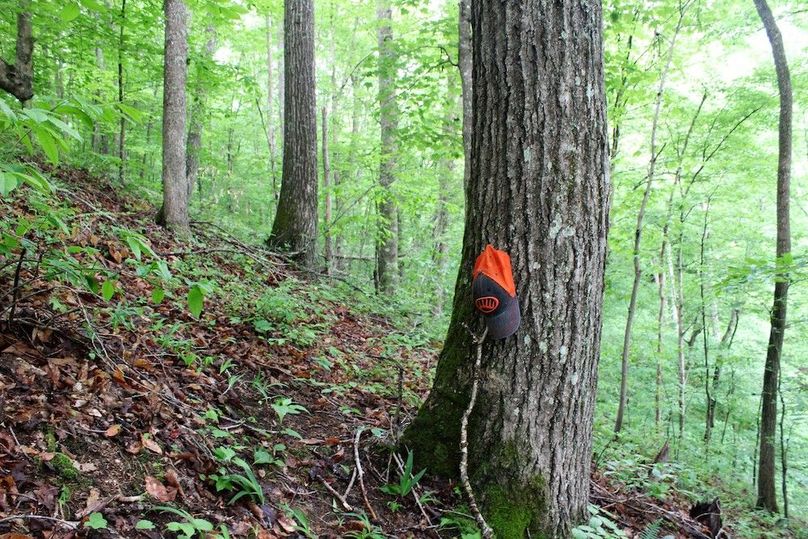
[(108, 289), (144, 525), (195, 300), (96, 521), (7, 183)]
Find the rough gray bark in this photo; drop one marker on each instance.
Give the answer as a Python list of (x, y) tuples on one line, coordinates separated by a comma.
[(387, 240), (767, 495), (632, 306), (174, 213), (295, 226), (18, 78), (539, 189)]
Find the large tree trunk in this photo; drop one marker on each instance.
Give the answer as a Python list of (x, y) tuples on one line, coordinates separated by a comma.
[(539, 189), (635, 288), (387, 240), (295, 226), (767, 496), (174, 214), (18, 78)]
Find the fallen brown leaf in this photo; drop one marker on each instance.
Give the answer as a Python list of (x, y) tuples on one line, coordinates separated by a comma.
[(150, 444), (158, 491)]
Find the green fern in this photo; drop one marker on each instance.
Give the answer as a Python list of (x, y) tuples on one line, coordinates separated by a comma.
[(652, 531)]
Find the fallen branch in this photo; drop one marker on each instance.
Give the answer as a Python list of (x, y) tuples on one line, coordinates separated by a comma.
[(66, 523), (643, 506), (487, 532), (334, 493), (350, 484)]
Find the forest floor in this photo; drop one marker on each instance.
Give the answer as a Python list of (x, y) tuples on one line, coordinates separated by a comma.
[(124, 415)]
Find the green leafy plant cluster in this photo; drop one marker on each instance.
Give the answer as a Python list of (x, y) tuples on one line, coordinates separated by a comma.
[(243, 484)]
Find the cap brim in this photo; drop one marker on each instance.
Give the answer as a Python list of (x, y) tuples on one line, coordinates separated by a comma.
[(506, 322)]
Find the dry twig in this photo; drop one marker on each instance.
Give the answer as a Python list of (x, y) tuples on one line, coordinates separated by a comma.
[(361, 473), (464, 443), (334, 493), (66, 523)]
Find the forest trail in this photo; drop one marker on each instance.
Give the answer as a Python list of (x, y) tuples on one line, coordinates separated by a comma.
[(123, 412)]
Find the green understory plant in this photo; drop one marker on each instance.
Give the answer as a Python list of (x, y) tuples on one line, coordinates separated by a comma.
[(406, 481), (600, 525), (284, 406), (243, 484), (190, 527)]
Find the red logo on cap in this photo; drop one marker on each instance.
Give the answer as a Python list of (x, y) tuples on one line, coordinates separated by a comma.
[(487, 304)]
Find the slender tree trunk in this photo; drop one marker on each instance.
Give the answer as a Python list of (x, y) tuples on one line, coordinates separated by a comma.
[(677, 278), (146, 160), (709, 399), (98, 138), (387, 240), (620, 98), (464, 55), (174, 213), (757, 444), (198, 111), (729, 408), (270, 128), (446, 169), (539, 190), (58, 80), (329, 240), (783, 447), (282, 85), (635, 287), (767, 496), (18, 78), (295, 226), (122, 126), (726, 343), (662, 258)]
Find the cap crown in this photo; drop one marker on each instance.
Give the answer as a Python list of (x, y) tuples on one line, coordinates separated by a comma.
[(496, 265)]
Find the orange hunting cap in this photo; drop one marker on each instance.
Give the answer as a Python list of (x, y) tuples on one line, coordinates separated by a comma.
[(495, 293)]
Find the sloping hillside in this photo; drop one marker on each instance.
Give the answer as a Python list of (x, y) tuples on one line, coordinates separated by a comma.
[(154, 388)]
